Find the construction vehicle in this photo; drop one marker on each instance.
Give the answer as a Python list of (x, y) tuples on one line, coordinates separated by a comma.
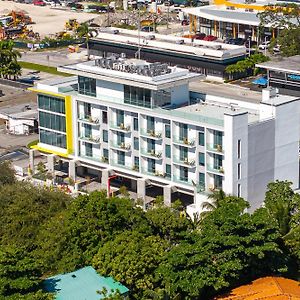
[(72, 24)]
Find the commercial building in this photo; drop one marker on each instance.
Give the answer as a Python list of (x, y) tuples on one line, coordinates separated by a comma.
[(138, 120), (231, 19), (205, 57), (283, 73)]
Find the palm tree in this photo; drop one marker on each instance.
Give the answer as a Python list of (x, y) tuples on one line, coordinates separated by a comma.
[(84, 31)]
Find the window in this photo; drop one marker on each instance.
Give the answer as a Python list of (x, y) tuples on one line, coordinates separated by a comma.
[(120, 117), (136, 143), (218, 139), (135, 124), (121, 158), (137, 162), (201, 159), (168, 131), (88, 149), (105, 155), (53, 138), (239, 171), (87, 132), (87, 86), (239, 190), (201, 139), (150, 124), (151, 165), (202, 181), (161, 98), (87, 108), (137, 96), (183, 153), (183, 174), (105, 136), (183, 132), (150, 145), (218, 182), (52, 121), (53, 104), (168, 171), (239, 145), (104, 117), (120, 138), (168, 151), (218, 161)]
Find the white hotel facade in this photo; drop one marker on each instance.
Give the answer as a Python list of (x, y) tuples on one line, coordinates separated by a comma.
[(139, 121)]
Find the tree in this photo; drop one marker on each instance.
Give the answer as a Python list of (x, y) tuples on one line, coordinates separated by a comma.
[(83, 31), (9, 66), (7, 174), (132, 259), (19, 275), (231, 247)]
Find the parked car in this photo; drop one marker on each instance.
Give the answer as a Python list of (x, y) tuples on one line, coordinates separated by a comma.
[(264, 45), (210, 38), (147, 29), (199, 36), (39, 3)]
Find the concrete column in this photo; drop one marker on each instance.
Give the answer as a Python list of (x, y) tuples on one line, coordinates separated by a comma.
[(32, 153), (51, 162), (104, 178), (72, 169), (141, 188), (168, 195)]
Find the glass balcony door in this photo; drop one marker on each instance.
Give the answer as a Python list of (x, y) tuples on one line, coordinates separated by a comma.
[(218, 139), (183, 153), (183, 174), (87, 130), (151, 165), (183, 132), (87, 109), (218, 161), (150, 124), (121, 158), (150, 145), (88, 149), (120, 118), (120, 138)]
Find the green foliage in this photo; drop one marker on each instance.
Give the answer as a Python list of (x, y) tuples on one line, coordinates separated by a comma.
[(42, 68), (9, 66), (132, 258), (7, 174), (230, 247), (289, 41)]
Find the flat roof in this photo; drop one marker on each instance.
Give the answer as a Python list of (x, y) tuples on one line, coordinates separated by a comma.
[(283, 64), (20, 111), (81, 285), (206, 49)]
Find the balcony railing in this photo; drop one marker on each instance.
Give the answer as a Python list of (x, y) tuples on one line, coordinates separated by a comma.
[(183, 180), (90, 139), (121, 127), (154, 173), (152, 153), (116, 163), (215, 148), (151, 133), (184, 141), (121, 146), (215, 169), (89, 119), (184, 161)]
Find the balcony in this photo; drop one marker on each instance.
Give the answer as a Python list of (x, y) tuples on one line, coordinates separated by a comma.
[(215, 169), (154, 173), (186, 162), (153, 134), (184, 141), (121, 146), (122, 127), (92, 157), (215, 148), (90, 139), (89, 120), (152, 153), (183, 180), (116, 163)]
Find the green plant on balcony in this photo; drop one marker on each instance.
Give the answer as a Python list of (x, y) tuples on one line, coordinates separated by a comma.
[(192, 142), (104, 159), (185, 141), (221, 170), (122, 145), (90, 119), (158, 155), (219, 148), (158, 135), (151, 132), (135, 168), (159, 174), (151, 152), (122, 126)]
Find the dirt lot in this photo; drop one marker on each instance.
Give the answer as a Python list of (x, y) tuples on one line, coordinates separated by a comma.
[(48, 20)]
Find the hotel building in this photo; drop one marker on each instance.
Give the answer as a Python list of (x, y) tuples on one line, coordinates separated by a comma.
[(139, 121)]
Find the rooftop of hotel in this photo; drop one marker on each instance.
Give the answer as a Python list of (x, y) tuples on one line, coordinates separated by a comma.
[(207, 49), (135, 72)]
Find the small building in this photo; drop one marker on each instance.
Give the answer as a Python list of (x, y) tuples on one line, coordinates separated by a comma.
[(283, 73), (267, 288), (83, 284), (20, 119)]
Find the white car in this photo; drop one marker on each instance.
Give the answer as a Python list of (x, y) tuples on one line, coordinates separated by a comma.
[(264, 45)]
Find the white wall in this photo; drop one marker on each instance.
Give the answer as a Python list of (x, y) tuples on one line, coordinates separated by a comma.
[(110, 90)]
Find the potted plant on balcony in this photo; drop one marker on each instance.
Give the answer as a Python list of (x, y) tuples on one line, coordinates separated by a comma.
[(221, 170), (122, 145), (219, 148), (104, 159), (185, 141), (90, 119), (135, 168), (122, 126)]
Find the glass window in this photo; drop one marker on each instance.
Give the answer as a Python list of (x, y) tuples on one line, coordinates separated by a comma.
[(239, 190), (136, 143), (150, 124), (104, 117), (184, 174), (105, 154), (239, 149), (87, 86), (168, 171), (136, 162), (201, 139), (121, 158), (202, 181), (150, 145), (161, 98), (218, 161), (137, 96), (151, 165), (88, 149), (218, 137), (218, 182), (120, 138), (87, 132), (168, 151), (53, 104), (120, 117), (201, 159), (239, 171), (168, 131), (183, 153), (183, 131), (52, 121), (105, 136), (53, 138), (135, 124)]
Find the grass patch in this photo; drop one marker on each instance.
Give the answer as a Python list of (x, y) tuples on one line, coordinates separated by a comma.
[(33, 143), (42, 68)]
